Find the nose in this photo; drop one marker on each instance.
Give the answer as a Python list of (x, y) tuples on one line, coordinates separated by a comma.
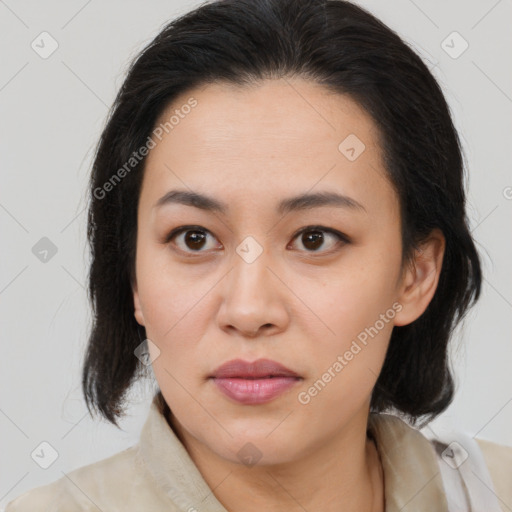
[(253, 299)]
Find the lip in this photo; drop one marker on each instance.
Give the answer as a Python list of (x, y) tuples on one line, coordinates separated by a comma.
[(238, 368), (254, 391), (254, 383)]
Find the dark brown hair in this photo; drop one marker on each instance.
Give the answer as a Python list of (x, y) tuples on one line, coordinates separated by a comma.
[(343, 47)]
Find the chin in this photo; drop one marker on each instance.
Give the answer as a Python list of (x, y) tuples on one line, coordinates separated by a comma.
[(256, 448)]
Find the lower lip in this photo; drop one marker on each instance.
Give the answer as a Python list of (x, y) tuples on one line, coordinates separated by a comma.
[(254, 391)]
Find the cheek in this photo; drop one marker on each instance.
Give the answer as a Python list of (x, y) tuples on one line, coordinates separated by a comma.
[(351, 328), (178, 308), (350, 296), (170, 295), (173, 320), (348, 358)]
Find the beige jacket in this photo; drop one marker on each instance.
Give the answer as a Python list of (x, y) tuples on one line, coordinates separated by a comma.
[(157, 474)]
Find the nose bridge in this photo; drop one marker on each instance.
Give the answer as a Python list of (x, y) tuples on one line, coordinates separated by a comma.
[(251, 298), (250, 278)]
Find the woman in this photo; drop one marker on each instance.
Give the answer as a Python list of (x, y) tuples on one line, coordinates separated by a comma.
[(278, 231)]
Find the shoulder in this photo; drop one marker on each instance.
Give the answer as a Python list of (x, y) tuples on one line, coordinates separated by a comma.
[(102, 483), (498, 458), (434, 451)]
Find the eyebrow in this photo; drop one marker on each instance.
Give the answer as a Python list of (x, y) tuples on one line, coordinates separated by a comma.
[(296, 203)]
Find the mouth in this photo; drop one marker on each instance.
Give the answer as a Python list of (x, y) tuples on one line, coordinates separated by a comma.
[(254, 391), (254, 383), (259, 369)]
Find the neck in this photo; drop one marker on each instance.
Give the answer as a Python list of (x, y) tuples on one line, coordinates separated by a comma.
[(344, 473)]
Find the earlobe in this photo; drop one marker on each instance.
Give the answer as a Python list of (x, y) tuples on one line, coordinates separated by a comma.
[(421, 278)]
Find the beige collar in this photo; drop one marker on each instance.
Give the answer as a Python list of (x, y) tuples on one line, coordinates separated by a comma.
[(412, 480)]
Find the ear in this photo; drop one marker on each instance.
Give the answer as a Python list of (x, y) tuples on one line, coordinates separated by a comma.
[(136, 302), (419, 281)]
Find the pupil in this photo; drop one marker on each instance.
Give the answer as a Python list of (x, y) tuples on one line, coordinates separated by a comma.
[(196, 238), (312, 239)]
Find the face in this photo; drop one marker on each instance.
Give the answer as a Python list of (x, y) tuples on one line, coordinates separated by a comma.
[(315, 286)]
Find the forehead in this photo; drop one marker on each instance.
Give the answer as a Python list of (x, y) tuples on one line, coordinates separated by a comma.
[(276, 138)]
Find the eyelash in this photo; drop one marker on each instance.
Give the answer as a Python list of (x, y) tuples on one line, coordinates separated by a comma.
[(342, 238)]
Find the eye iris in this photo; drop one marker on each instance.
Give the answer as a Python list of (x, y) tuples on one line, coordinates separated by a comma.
[(196, 238), (312, 239)]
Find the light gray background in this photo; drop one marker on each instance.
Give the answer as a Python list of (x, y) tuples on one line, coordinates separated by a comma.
[(52, 113)]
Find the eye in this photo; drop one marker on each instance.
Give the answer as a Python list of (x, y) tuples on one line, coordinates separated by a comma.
[(194, 239), (190, 238), (314, 237)]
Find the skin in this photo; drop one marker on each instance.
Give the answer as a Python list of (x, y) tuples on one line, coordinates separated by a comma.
[(297, 304)]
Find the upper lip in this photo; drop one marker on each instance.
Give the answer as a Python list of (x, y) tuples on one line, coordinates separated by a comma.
[(238, 368)]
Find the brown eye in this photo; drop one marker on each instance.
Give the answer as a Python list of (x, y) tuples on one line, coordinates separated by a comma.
[(314, 239), (190, 239), (194, 239)]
